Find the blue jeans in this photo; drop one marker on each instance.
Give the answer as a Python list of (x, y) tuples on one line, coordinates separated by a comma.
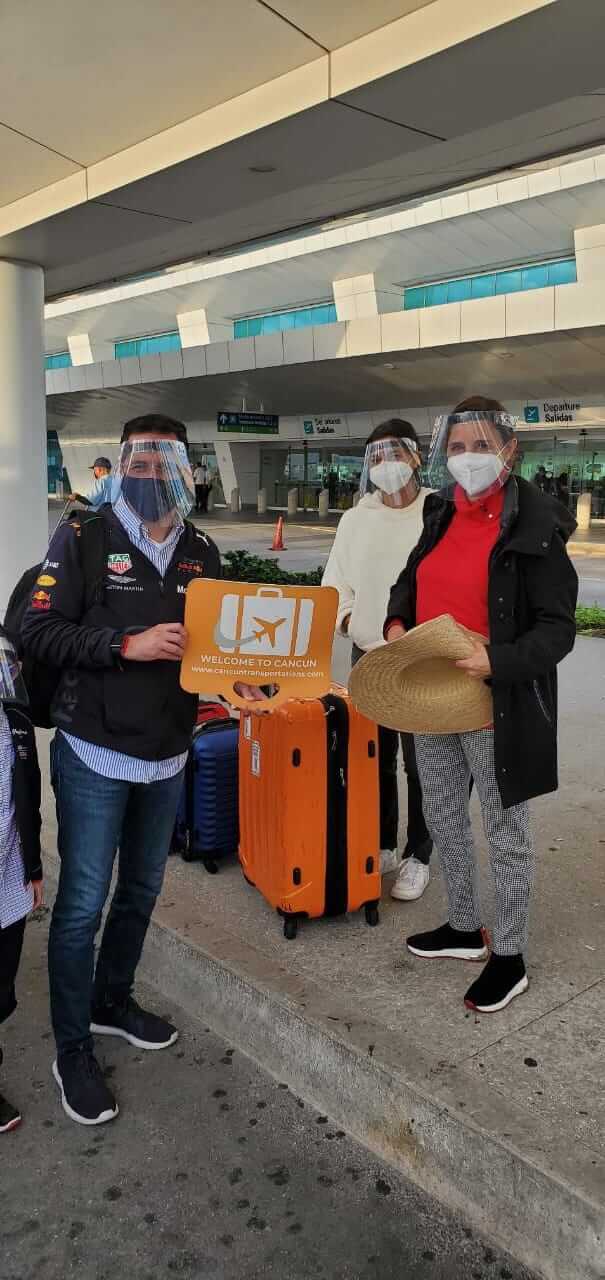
[(97, 815)]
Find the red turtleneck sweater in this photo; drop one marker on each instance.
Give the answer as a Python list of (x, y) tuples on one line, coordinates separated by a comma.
[(453, 577)]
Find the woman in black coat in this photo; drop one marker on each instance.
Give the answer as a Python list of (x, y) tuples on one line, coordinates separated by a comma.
[(492, 554)]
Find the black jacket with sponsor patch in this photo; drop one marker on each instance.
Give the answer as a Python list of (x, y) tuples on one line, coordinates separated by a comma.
[(532, 593), (135, 707)]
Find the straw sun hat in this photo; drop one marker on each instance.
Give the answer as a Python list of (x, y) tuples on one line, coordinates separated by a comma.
[(414, 685)]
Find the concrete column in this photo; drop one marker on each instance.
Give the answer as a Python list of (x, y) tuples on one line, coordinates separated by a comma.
[(362, 296), (324, 503), (292, 502), (246, 464), (235, 502), (226, 468), (196, 329), (583, 510), (23, 476), (590, 253), (84, 348), (261, 502)]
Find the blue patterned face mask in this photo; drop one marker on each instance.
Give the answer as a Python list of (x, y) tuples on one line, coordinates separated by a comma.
[(150, 499)]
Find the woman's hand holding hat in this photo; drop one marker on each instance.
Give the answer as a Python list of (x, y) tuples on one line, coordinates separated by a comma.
[(478, 666)]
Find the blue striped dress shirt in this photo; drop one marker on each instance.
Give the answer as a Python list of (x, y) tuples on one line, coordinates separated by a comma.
[(115, 764)]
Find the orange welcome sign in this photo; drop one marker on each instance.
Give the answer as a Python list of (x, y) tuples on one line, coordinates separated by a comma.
[(239, 631)]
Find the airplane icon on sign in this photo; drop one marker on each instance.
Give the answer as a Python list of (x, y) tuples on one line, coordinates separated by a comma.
[(268, 629)]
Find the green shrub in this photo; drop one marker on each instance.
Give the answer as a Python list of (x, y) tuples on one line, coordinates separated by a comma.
[(590, 618), (239, 566)]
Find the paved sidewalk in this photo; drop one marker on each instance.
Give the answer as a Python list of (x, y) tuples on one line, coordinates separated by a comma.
[(588, 542), (212, 1169), (501, 1117)]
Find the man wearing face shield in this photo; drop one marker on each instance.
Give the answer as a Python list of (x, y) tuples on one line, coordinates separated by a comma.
[(123, 730), (20, 866), (372, 542), (492, 554)]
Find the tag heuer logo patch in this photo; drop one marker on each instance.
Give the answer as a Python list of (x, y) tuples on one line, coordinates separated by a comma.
[(119, 563)]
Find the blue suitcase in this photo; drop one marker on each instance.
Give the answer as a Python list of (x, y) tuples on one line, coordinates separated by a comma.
[(207, 825)]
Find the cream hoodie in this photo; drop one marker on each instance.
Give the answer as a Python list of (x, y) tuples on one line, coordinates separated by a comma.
[(371, 547)]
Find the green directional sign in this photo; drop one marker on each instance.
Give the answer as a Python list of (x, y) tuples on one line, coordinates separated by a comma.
[(248, 423)]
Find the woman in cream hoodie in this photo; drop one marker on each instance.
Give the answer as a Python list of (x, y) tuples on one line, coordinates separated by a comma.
[(372, 545)]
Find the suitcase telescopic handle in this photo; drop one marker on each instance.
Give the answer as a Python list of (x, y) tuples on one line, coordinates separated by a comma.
[(212, 726)]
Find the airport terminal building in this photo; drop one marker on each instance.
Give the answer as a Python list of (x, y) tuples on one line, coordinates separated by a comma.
[(282, 358)]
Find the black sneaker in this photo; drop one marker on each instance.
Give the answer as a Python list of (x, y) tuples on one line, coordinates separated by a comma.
[(10, 1118), (448, 943), (130, 1022), (503, 978), (84, 1093)]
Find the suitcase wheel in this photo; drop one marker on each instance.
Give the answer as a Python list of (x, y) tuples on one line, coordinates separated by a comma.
[(210, 865), (372, 916), (290, 928)]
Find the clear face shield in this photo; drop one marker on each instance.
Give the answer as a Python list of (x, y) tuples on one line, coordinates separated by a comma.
[(12, 688), (154, 477), (473, 450), (391, 467)]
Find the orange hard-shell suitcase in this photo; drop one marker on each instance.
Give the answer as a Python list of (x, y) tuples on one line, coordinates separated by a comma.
[(309, 813)]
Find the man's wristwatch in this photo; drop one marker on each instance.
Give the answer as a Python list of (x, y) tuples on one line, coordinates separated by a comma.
[(117, 647)]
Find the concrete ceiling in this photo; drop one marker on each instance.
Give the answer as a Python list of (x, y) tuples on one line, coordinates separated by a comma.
[(102, 78), (334, 25), (123, 147), (538, 228), (555, 365)]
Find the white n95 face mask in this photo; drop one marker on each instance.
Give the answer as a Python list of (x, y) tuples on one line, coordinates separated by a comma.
[(391, 475), (475, 472)]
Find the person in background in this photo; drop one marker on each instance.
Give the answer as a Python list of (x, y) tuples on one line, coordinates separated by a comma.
[(540, 480), (202, 487), (20, 865), (492, 554), (332, 488), (100, 490), (563, 493), (372, 542), (124, 727)]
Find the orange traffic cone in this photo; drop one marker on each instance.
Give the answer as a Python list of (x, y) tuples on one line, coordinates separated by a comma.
[(278, 537)]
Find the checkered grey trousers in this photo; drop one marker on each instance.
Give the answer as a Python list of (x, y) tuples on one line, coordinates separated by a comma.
[(446, 763)]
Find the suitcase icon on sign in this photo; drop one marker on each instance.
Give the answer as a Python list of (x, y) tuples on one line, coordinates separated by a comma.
[(265, 624)]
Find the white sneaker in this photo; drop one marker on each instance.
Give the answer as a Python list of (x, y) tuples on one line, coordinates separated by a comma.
[(411, 881), (390, 860)]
